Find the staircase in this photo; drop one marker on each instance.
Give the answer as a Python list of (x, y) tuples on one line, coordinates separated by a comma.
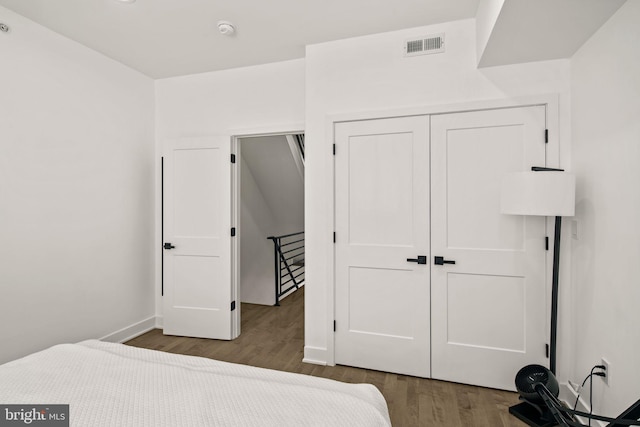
[(288, 251)]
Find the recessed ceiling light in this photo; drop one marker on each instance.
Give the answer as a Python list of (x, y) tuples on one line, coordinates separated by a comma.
[(226, 28)]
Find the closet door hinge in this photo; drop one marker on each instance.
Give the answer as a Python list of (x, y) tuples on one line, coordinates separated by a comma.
[(334, 326), (546, 243), (334, 237), (233, 305), (547, 350), (546, 136), (233, 158), (334, 149), (233, 232)]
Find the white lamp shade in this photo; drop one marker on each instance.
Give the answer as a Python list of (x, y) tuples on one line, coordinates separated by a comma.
[(544, 193)]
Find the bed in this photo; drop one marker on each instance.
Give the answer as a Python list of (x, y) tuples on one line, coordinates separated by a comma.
[(109, 384)]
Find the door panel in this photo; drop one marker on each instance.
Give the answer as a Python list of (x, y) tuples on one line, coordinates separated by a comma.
[(499, 327), (488, 309), (196, 192), (379, 189), (477, 158), (197, 221), (369, 287), (382, 217)]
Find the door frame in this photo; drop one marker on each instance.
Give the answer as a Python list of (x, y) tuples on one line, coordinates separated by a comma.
[(236, 135), (550, 101)]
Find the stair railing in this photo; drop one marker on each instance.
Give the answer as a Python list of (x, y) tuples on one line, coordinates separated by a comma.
[(288, 253)]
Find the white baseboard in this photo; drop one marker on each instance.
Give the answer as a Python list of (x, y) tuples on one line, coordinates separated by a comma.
[(159, 322), (131, 331), (315, 355), (568, 395)]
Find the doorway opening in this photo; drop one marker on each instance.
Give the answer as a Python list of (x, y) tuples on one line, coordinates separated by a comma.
[(269, 212)]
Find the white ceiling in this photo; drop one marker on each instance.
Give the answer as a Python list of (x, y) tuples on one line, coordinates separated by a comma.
[(164, 38)]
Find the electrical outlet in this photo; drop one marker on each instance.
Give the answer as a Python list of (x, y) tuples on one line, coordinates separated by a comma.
[(607, 370)]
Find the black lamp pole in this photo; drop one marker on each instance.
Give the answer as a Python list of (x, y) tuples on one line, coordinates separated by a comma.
[(554, 295), (554, 281)]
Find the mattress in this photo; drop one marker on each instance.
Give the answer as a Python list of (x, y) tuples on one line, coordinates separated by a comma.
[(109, 384)]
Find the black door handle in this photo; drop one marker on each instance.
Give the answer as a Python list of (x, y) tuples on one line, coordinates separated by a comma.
[(422, 259), (168, 246), (441, 261)]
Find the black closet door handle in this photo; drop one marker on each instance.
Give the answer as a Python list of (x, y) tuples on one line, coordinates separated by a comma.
[(168, 246), (441, 261), (422, 259)]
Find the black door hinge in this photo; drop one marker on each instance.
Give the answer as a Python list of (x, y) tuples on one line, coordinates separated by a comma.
[(233, 231), (334, 149), (546, 243), (334, 326), (546, 136), (334, 237), (233, 305), (233, 158), (547, 350)]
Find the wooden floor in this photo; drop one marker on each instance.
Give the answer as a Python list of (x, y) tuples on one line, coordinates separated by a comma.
[(272, 337)]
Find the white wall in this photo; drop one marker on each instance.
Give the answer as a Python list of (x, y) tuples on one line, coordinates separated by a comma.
[(369, 74), (256, 275), (76, 192), (272, 164), (259, 99), (605, 92)]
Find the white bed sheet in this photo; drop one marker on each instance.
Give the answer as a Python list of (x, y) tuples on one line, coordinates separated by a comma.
[(110, 384)]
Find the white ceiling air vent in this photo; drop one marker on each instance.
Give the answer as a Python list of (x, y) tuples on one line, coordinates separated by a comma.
[(424, 45)]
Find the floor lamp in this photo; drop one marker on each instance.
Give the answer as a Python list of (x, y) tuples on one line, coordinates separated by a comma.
[(542, 192)]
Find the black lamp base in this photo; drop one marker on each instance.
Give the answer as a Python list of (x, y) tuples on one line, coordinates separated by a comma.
[(529, 415)]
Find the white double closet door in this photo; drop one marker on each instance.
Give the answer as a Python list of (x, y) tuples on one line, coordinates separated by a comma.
[(413, 190)]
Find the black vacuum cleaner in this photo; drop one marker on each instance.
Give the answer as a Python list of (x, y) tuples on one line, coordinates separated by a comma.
[(540, 407)]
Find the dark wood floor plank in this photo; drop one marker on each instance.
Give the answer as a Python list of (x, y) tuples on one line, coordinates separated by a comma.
[(273, 337)]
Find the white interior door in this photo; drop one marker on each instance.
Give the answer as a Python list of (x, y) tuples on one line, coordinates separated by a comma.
[(382, 218), (197, 223), (488, 309)]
